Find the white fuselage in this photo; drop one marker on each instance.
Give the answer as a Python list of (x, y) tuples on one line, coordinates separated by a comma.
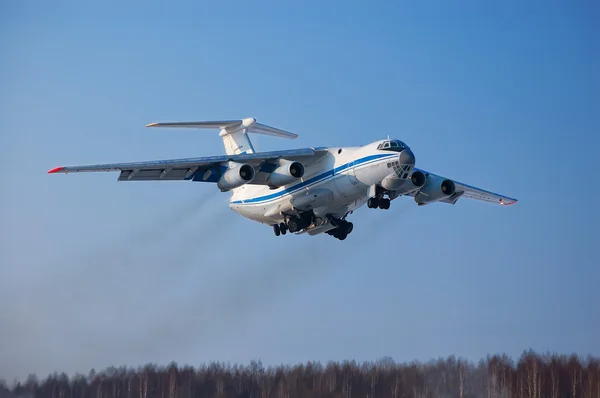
[(343, 174)]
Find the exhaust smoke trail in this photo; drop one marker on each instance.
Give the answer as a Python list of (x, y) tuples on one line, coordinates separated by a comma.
[(93, 307), (212, 310), (156, 231), (222, 307), (185, 279)]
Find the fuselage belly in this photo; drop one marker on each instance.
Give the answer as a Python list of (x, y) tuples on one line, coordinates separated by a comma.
[(346, 175)]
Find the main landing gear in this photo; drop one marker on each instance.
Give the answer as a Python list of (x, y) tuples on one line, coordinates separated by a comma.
[(342, 230), (293, 224), (296, 223), (380, 202)]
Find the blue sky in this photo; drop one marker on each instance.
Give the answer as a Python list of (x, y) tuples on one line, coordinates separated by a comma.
[(504, 96)]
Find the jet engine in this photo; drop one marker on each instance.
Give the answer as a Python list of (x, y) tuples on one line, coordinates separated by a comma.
[(236, 176), (400, 186), (435, 189), (286, 173)]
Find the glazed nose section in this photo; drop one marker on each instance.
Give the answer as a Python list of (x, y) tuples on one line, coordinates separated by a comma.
[(407, 157)]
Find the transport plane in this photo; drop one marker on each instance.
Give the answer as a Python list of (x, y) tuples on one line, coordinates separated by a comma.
[(305, 190)]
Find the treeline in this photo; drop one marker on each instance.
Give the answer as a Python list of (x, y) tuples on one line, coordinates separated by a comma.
[(532, 376)]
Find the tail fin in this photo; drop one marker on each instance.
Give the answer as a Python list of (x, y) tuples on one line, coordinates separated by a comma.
[(234, 132)]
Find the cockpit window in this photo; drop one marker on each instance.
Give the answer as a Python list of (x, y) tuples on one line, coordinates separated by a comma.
[(392, 145)]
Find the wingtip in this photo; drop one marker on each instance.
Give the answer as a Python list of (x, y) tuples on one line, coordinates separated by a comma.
[(56, 170)]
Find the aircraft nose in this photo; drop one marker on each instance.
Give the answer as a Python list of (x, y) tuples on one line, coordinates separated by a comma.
[(407, 157)]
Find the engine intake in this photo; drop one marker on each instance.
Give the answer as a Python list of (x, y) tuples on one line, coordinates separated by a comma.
[(434, 190), (418, 179), (286, 173), (236, 176)]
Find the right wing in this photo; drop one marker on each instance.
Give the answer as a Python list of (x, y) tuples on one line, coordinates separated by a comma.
[(468, 191), (196, 168)]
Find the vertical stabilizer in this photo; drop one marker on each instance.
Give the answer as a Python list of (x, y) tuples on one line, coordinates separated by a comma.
[(237, 142)]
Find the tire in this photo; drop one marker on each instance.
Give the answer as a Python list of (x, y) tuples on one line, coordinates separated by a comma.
[(349, 228), (276, 229), (384, 204), (293, 225), (372, 203)]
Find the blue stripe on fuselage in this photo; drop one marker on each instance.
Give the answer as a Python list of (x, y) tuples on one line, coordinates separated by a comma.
[(316, 179)]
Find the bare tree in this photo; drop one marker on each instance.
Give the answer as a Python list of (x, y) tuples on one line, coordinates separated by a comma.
[(533, 376)]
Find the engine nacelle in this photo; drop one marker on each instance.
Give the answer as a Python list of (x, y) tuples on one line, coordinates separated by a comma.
[(236, 176), (435, 189), (286, 173), (401, 187)]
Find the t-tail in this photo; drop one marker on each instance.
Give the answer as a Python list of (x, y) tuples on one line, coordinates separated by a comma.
[(233, 132)]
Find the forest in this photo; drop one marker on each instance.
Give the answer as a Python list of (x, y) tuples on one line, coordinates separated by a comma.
[(532, 375)]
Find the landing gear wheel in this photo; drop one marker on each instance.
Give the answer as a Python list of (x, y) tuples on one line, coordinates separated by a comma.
[(283, 228), (293, 225), (384, 204), (340, 234), (349, 228), (342, 231), (276, 229), (372, 203)]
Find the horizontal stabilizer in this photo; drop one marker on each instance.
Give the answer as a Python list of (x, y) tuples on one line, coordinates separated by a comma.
[(227, 127)]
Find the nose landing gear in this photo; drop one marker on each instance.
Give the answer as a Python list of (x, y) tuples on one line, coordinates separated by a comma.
[(280, 229)]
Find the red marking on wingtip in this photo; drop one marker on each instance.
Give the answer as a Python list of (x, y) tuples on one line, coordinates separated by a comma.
[(56, 170)]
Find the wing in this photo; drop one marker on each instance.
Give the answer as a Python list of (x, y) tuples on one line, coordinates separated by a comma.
[(467, 191), (196, 168)]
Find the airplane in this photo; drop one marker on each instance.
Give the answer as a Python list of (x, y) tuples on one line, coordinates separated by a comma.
[(307, 190)]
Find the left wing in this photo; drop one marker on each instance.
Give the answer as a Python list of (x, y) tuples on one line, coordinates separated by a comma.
[(196, 169), (467, 191)]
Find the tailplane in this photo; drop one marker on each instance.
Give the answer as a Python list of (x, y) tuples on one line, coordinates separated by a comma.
[(233, 132)]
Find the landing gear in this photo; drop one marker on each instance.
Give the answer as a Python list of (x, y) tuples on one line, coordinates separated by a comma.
[(294, 224), (342, 230), (375, 202), (280, 229)]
